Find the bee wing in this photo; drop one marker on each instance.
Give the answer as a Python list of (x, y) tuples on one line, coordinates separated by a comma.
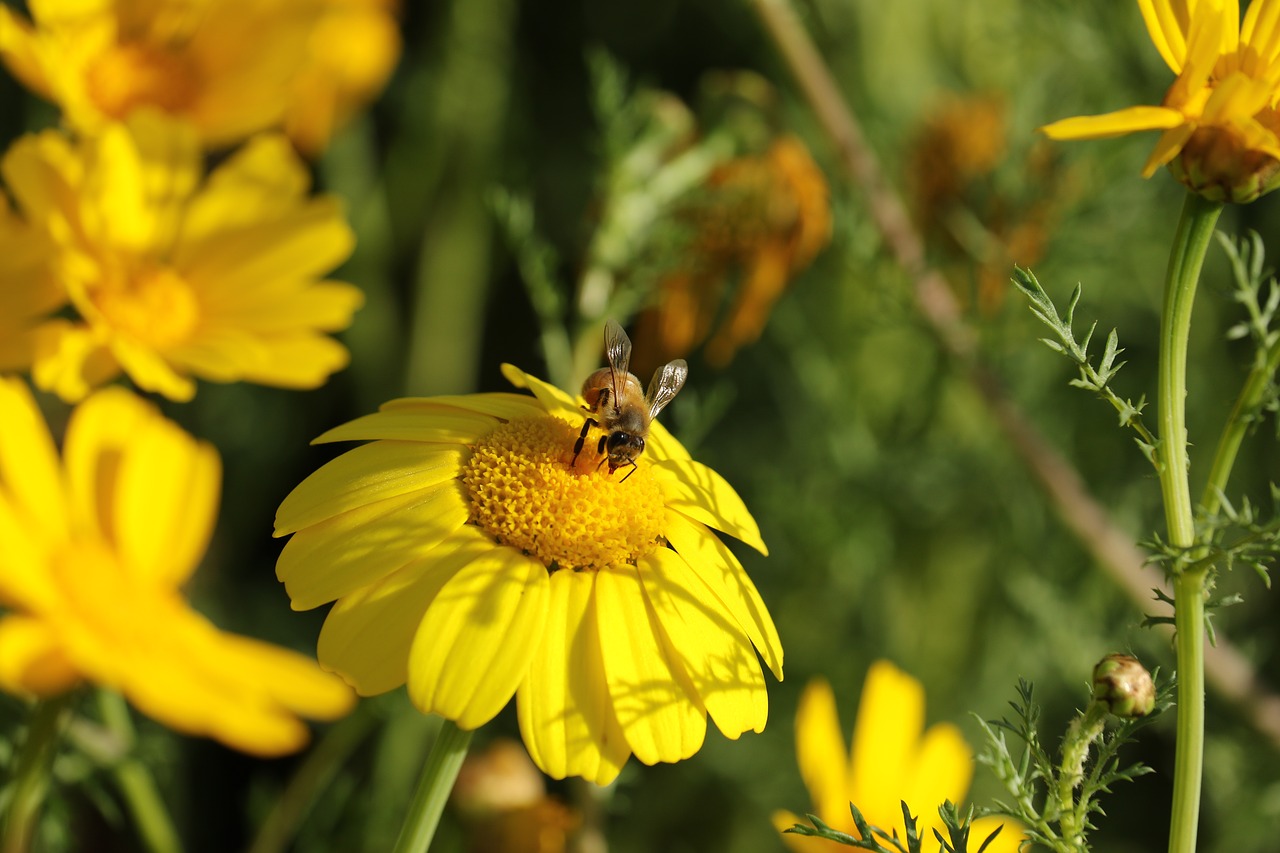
[(665, 384), (617, 348)]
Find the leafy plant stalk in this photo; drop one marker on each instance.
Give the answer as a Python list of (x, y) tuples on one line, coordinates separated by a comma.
[(1195, 228), (1246, 261), (137, 785), (31, 773)]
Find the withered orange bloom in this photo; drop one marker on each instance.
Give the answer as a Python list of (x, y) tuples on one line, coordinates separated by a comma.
[(763, 218)]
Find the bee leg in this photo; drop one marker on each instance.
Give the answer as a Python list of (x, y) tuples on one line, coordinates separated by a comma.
[(582, 437), (629, 473)]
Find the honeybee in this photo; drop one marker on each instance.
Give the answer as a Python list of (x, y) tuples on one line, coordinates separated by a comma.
[(624, 410)]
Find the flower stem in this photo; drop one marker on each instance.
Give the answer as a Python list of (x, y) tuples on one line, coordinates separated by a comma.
[(438, 775), (1195, 229), (1224, 459), (31, 773), (137, 785), (1083, 731)]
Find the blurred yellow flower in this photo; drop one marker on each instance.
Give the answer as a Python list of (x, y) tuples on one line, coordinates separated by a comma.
[(93, 551), (170, 277), (350, 54), (1220, 129), (764, 217), (472, 558), (894, 759), (229, 67)]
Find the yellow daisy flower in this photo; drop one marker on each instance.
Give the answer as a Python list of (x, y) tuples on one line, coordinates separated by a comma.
[(226, 66), (171, 277), (894, 759), (472, 558), (1220, 132), (93, 551)]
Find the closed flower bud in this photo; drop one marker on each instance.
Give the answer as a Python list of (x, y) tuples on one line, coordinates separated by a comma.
[(1123, 685), (1219, 165)]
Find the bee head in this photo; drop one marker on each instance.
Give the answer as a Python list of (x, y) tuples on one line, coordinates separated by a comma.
[(623, 447)]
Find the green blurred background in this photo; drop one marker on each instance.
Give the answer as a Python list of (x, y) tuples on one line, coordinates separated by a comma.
[(900, 523)]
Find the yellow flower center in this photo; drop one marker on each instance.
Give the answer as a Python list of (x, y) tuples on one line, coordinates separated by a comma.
[(528, 493), (134, 75), (155, 306)]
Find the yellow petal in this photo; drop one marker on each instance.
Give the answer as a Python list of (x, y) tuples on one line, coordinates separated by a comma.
[(361, 546), (310, 240), (1260, 32), (98, 434), (715, 564), (707, 642), (1167, 147), (566, 715), (261, 181), (25, 582), (303, 360), (1210, 33), (662, 445), (474, 646), (151, 371), (703, 495), (942, 770), (365, 475), (652, 698), (40, 171), (165, 496), (1168, 30), (33, 663), (292, 680), (302, 305), (19, 52), (497, 405), (1118, 123), (423, 423), (191, 686), (118, 211), (885, 740), (557, 402), (1008, 841), (29, 468), (367, 635), (71, 359), (820, 753)]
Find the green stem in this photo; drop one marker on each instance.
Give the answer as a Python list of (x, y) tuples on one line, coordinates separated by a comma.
[(137, 785), (1083, 731), (1195, 229), (1224, 459), (438, 775), (31, 773)]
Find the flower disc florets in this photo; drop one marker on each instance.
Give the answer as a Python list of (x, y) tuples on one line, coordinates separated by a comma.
[(525, 490)]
